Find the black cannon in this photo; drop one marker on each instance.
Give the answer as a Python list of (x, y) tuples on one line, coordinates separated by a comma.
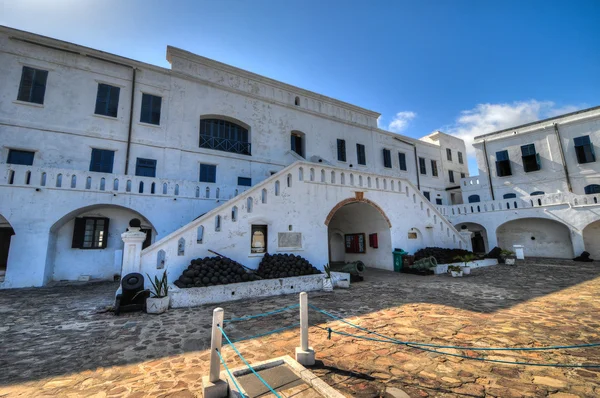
[(133, 296)]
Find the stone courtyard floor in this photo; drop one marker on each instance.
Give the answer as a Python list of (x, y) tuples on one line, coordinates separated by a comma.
[(54, 342)]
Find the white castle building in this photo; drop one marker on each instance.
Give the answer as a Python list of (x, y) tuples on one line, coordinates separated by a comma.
[(212, 157)]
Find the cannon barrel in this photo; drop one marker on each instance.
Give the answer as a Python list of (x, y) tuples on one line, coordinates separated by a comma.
[(425, 263), (354, 268)]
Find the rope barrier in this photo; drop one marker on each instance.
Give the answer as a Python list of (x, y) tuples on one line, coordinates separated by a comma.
[(228, 372), (247, 364), (245, 318), (267, 333), (391, 339)]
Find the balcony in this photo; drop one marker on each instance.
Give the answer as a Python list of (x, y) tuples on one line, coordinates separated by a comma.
[(224, 144)]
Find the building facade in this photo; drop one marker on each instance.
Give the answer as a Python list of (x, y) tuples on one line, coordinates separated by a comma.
[(91, 140)]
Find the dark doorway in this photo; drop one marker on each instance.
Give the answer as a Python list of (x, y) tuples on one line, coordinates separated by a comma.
[(478, 243), (5, 235), (148, 240)]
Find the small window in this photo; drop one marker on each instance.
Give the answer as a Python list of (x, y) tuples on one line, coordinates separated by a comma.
[(102, 160), (474, 199), (150, 109), (462, 175), (451, 175), (531, 159), (20, 157), (387, 158), (422, 166), (584, 150), (145, 167), (296, 143), (341, 150), (592, 189), (427, 195), (402, 160), (258, 242), (434, 169), (537, 193), (208, 173), (33, 85), (90, 233), (449, 154), (503, 164), (438, 201), (107, 100), (509, 195), (297, 101), (223, 135), (460, 158), (245, 181), (361, 158)]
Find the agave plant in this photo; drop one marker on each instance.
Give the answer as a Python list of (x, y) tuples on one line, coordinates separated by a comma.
[(467, 258), (327, 270), (160, 287)]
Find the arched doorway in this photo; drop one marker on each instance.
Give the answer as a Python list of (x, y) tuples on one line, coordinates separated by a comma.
[(87, 242), (541, 237), (359, 230), (479, 240), (6, 233), (591, 240)]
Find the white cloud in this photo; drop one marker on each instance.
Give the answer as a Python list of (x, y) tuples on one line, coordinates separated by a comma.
[(487, 118), (400, 121)]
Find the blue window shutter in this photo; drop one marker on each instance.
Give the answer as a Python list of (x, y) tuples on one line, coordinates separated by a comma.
[(146, 105), (113, 101), (26, 84), (156, 103), (39, 86)]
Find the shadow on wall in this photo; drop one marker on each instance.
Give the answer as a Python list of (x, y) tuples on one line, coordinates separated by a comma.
[(541, 237)]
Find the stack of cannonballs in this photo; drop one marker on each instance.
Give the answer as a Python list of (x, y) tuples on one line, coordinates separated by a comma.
[(284, 265), (212, 271)]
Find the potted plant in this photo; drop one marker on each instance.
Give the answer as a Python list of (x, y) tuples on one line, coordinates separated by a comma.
[(467, 258), (158, 302), (507, 257), (455, 271), (327, 281)]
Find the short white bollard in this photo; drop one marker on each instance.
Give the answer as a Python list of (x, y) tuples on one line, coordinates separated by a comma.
[(305, 355), (213, 386)]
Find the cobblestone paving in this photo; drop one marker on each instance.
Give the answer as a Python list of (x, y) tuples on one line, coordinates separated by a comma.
[(54, 341)]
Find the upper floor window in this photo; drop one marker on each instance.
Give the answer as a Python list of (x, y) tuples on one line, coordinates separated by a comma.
[(460, 158), (451, 175), (387, 158), (462, 175), (402, 160), (102, 160), (90, 233), (150, 109), (434, 169), (223, 135), (107, 100), (584, 149), (474, 199), (449, 154), (297, 143), (145, 167), (422, 166), (438, 201), (20, 157), (531, 159), (245, 181), (341, 150), (536, 193), (509, 195), (592, 188), (361, 158), (208, 173), (503, 164), (33, 85), (427, 195)]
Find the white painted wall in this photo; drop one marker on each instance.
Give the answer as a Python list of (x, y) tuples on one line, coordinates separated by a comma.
[(552, 239), (591, 238)]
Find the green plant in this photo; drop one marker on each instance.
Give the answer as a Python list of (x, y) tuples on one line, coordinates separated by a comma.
[(467, 258), (160, 287), (327, 269), (506, 253), (454, 268)]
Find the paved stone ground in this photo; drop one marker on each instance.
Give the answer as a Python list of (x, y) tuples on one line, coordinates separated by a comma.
[(54, 342)]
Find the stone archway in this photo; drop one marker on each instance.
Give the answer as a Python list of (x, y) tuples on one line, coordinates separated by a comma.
[(479, 240), (591, 239), (6, 233), (358, 229), (541, 237)]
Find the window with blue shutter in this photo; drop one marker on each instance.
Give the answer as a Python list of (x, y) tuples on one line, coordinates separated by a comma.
[(503, 164), (20, 157), (509, 195), (387, 158), (531, 159), (150, 109), (245, 181), (341, 150), (107, 100), (474, 199), (361, 158), (438, 201), (145, 167), (591, 189), (427, 195), (584, 149), (422, 166), (208, 173), (460, 158), (402, 160), (449, 154), (102, 160), (33, 85), (434, 169), (451, 175)]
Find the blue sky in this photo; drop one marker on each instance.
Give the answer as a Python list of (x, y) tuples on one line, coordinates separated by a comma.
[(464, 67)]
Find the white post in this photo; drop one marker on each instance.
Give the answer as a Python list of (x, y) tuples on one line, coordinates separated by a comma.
[(132, 252), (213, 386), (305, 355)]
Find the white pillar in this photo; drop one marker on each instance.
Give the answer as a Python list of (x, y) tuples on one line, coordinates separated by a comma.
[(467, 236), (305, 355), (132, 250), (213, 386), (577, 242)]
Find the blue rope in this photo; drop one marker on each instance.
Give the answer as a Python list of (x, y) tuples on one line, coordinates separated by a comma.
[(559, 365), (267, 333), (391, 339), (228, 372), (247, 364), (245, 318)]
